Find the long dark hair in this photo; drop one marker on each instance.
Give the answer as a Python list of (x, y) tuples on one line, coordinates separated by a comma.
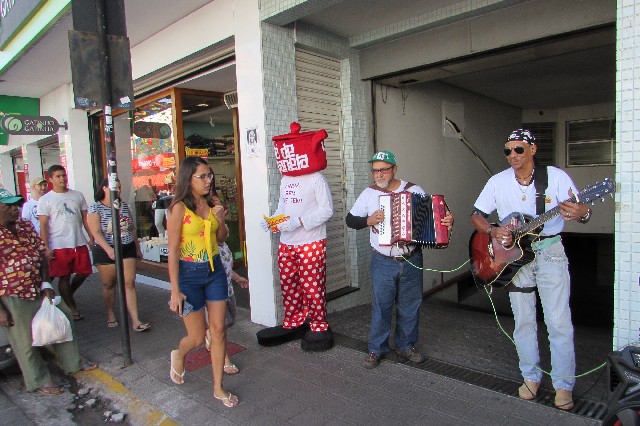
[(100, 194), (183, 192)]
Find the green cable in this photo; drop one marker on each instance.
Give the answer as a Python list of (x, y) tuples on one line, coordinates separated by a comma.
[(433, 270), (495, 313)]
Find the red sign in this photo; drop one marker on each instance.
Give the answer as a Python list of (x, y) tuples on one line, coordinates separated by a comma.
[(163, 161)]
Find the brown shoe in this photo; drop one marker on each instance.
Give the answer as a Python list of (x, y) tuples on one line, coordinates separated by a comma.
[(529, 390), (412, 355), (563, 400), (371, 361)]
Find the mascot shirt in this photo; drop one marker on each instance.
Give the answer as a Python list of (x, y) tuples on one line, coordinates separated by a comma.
[(309, 198)]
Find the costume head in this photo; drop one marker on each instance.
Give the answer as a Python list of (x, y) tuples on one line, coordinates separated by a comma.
[(300, 153)]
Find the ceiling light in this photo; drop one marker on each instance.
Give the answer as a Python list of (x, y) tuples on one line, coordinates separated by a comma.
[(186, 110), (202, 105)]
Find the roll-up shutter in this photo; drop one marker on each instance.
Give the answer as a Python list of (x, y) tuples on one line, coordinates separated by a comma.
[(320, 107)]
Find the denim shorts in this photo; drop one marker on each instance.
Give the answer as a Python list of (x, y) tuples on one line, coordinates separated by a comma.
[(200, 284)]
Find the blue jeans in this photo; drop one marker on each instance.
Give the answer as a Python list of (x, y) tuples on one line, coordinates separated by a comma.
[(399, 282), (550, 273)]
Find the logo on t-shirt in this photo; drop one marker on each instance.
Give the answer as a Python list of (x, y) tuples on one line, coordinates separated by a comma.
[(65, 210)]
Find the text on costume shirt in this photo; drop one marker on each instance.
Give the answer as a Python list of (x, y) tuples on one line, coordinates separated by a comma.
[(20, 259), (307, 197), (64, 210), (106, 223), (368, 202), (30, 213), (503, 194)]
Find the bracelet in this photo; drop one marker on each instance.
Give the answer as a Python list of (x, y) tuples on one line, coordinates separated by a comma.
[(489, 229), (300, 220), (586, 217), (45, 285)]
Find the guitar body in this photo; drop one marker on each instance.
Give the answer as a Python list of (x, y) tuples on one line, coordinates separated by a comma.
[(496, 265)]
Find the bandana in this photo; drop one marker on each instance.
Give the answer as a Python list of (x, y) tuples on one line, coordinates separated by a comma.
[(522, 135)]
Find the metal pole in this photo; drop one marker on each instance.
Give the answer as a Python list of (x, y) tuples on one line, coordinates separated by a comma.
[(112, 173)]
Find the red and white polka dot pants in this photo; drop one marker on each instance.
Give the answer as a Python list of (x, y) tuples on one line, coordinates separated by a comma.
[(303, 283)]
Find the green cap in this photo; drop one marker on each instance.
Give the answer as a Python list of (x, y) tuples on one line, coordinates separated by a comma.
[(385, 156), (8, 198)]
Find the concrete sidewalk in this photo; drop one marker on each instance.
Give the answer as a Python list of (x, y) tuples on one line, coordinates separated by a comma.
[(279, 385)]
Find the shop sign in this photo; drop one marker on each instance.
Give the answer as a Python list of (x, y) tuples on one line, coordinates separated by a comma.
[(154, 162), (15, 105), (29, 124), (150, 129), (15, 14), (197, 152)]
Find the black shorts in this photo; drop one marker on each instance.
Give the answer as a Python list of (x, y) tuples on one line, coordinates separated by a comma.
[(100, 257)]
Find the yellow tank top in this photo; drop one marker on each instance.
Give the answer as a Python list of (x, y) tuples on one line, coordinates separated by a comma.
[(198, 240)]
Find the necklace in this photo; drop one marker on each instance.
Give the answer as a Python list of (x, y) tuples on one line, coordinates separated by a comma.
[(525, 184)]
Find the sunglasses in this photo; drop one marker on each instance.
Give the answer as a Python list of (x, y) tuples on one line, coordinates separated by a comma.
[(517, 149)]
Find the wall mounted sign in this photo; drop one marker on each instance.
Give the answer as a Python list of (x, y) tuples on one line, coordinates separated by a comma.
[(29, 125), (15, 14)]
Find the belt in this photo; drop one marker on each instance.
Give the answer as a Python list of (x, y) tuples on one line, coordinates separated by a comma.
[(401, 258), (544, 237)]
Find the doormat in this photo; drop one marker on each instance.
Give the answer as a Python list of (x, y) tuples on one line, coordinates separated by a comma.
[(198, 358)]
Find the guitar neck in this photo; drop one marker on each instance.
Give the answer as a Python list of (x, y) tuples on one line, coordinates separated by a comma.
[(538, 221)]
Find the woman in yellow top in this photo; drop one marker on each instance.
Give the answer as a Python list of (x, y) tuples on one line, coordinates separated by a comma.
[(195, 225)]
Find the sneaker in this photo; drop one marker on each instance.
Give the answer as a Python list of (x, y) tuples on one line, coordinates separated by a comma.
[(412, 355), (371, 361)]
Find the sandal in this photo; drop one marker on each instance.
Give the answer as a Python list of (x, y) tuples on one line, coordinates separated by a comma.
[(177, 378), (231, 369), (50, 390), (88, 366), (528, 390), (230, 401), (563, 399), (207, 341), (142, 327), (78, 316), (112, 324)]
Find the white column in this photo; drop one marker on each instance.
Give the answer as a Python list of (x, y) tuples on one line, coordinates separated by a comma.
[(7, 180), (255, 173), (626, 298), (75, 142)]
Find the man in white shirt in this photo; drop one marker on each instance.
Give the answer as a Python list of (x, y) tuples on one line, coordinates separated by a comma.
[(63, 215), (30, 208)]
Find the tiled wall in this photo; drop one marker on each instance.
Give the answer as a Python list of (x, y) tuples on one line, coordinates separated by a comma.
[(627, 221)]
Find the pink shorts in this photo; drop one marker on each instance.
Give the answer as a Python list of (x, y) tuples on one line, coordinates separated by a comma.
[(69, 261)]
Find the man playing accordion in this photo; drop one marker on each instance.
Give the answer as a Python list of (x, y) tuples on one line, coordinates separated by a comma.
[(395, 270)]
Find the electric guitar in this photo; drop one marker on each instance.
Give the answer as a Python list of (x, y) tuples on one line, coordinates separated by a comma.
[(496, 265)]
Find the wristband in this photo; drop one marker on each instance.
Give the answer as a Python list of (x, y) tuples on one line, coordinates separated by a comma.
[(300, 220), (45, 285), (489, 229), (586, 217)]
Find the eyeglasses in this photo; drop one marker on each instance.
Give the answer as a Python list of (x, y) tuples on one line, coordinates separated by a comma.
[(517, 149), (383, 171), (205, 176)]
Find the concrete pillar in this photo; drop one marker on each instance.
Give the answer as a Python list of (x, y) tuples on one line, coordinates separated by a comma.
[(255, 173), (7, 178)]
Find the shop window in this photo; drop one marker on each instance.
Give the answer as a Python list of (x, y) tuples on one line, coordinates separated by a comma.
[(591, 142), (153, 150)]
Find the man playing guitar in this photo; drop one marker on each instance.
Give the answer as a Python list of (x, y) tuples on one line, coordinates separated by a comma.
[(513, 190)]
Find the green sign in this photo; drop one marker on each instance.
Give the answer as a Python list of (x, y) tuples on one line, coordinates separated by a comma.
[(14, 14), (15, 105)]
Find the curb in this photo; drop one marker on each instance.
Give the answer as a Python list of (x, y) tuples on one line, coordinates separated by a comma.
[(138, 410)]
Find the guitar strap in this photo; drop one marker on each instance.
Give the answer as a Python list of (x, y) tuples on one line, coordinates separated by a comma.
[(377, 188), (541, 181)]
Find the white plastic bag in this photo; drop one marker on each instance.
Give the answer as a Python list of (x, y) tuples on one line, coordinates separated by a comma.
[(50, 325)]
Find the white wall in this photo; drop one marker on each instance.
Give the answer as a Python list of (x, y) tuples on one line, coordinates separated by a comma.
[(442, 164)]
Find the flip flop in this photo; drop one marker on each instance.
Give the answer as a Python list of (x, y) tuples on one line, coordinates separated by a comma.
[(50, 390), (88, 366), (112, 324), (177, 378), (230, 401), (207, 341), (78, 317), (231, 369), (142, 327)]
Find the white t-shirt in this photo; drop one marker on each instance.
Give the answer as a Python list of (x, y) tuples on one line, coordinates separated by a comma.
[(368, 202), (504, 194), (309, 198), (30, 213), (65, 218)]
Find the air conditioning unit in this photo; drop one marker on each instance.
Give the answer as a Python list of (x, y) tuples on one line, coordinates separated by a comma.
[(231, 99)]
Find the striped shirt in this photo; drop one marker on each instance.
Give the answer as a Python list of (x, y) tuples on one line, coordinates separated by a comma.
[(126, 222)]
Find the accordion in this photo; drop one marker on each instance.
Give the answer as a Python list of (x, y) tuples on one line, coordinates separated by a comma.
[(413, 218)]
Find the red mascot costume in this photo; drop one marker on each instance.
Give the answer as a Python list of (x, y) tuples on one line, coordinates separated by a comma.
[(304, 207)]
